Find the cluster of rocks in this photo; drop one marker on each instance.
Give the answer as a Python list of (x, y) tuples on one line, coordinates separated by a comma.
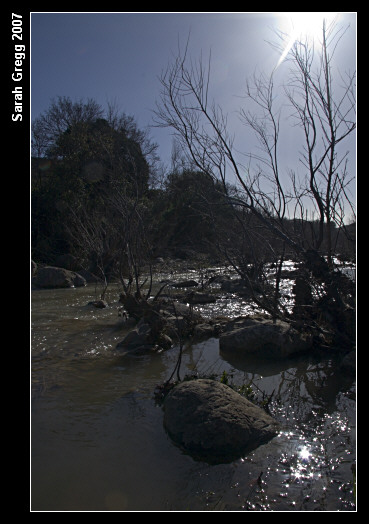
[(163, 324)]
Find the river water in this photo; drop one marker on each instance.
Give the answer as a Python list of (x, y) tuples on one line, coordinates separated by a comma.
[(97, 436)]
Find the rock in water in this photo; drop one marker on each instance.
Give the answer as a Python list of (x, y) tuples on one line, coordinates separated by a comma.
[(99, 304), (264, 338), (185, 283), (57, 277), (215, 423)]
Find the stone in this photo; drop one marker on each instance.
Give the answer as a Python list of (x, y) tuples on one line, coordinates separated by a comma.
[(145, 337), (138, 338), (185, 283), (56, 277), (264, 338), (79, 280), (99, 304), (214, 423)]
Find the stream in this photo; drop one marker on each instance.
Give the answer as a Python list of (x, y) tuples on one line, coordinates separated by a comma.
[(97, 436)]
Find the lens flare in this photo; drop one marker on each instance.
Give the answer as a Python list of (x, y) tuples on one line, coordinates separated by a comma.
[(303, 26)]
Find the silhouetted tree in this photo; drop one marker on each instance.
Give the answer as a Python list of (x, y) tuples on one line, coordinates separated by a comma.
[(326, 120), (85, 159)]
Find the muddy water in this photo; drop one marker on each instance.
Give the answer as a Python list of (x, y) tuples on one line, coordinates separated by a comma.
[(98, 442)]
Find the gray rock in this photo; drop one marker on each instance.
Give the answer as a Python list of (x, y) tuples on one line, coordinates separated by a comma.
[(142, 338), (213, 422), (185, 283), (78, 280), (99, 304), (265, 338), (57, 277), (138, 338)]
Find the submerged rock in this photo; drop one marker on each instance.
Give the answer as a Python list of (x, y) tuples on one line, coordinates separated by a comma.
[(99, 304), (213, 422), (185, 283), (265, 338)]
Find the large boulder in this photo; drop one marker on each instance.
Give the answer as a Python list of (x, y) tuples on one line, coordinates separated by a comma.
[(213, 422), (57, 277), (265, 338)]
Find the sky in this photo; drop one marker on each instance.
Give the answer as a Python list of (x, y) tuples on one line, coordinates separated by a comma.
[(120, 56)]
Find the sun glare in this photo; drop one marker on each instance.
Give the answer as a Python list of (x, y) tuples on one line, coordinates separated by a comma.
[(302, 25)]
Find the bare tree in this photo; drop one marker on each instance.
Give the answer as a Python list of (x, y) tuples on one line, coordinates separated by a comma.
[(91, 231), (327, 118), (202, 127), (326, 121)]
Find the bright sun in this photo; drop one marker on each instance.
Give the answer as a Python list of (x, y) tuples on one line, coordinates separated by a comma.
[(303, 25)]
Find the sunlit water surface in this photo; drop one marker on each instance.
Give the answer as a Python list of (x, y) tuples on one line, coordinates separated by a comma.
[(98, 442)]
